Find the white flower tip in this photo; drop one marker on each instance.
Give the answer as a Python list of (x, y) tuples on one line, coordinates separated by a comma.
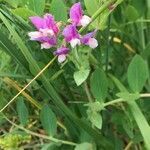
[(93, 43), (75, 42), (45, 45), (61, 58), (34, 35), (85, 20)]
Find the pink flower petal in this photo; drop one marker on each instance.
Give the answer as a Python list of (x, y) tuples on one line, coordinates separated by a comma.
[(38, 22), (70, 32), (50, 23), (61, 51), (76, 13)]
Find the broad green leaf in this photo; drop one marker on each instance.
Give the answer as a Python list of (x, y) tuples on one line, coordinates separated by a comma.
[(140, 6), (137, 73), (117, 14), (99, 84), (59, 10), (94, 115), (137, 114), (91, 6), (95, 106), (36, 6), (84, 146), (141, 122), (23, 12), (9, 47), (96, 119), (128, 127), (80, 76), (13, 3), (131, 13), (48, 120), (119, 85), (22, 112), (146, 52), (51, 146)]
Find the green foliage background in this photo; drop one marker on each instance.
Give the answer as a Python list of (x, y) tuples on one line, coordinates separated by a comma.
[(110, 107)]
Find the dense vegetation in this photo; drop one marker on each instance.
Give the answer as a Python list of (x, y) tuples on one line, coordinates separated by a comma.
[(96, 99)]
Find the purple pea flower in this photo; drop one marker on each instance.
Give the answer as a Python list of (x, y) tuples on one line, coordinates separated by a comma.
[(71, 35), (77, 17), (89, 40), (61, 53), (47, 31), (45, 23)]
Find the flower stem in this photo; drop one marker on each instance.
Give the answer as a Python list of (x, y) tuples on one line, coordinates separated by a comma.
[(88, 92), (40, 135), (41, 72), (119, 100), (98, 12)]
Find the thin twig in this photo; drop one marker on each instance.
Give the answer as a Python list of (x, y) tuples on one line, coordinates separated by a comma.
[(28, 84), (40, 135), (88, 92), (129, 145), (29, 98)]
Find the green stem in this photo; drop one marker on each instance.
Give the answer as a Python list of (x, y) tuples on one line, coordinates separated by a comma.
[(98, 12), (119, 100), (40, 135), (142, 36), (88, 92), (108, 43)]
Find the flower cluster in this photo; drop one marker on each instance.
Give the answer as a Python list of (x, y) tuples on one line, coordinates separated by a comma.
[(48, 29)]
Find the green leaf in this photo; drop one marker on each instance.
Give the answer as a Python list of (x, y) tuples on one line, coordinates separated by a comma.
[(25, 13), (80, 76), (119, 85), (9, 47), (141, 122), (137, 114), (36, 6), (22, 112), (140, 6), (13, 3), (84, 146), (128, 127), (51, 146), (92, 6), (48, 120), (146, 52), (137, 73), (59, 10), (99, 84), (96, 119), (131, 13), (94, 115)]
